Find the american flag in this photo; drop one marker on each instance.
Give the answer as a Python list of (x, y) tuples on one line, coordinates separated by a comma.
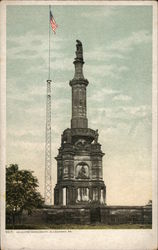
[(52, 22)]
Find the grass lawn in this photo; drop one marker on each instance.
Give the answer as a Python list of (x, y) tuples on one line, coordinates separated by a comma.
[(75, 226)]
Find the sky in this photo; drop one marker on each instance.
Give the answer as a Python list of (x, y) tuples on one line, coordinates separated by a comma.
[(117, 47)]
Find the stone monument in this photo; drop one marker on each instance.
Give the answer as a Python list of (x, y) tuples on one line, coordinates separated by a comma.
[(79, 160)]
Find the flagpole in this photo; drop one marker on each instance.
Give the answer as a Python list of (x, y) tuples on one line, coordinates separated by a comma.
[(48, 169), (48, 174), (49, 46)]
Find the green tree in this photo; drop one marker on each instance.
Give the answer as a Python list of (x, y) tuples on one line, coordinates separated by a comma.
[(21, 191)]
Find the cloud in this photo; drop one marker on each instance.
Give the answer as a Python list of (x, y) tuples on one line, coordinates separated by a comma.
[(36, 42), (12, 44), (31, 56), (118, 48), (33, 46), (101, 54), (106, 12), (128, 43), (128, 112), (14, 92), (22, 131), (28, 52), (122, 98), (99, 96), (122, 120), (109, 70)]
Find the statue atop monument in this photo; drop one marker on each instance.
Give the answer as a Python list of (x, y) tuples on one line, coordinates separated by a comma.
[(79, 51)]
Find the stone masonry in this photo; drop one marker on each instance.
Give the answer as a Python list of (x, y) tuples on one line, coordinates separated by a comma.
[(79, 160)]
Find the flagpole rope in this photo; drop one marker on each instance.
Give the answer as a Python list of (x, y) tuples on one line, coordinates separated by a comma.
[(49, 46)]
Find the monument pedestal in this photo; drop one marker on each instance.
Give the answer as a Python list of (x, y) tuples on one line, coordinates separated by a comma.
[(79, 164)]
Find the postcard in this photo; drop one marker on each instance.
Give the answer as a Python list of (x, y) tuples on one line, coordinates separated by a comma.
[(78, 125)]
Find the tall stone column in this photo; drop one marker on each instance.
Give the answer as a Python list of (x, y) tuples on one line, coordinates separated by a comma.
[(79, 84)]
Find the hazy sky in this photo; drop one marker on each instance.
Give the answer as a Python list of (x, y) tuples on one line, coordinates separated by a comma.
[(117, 44)]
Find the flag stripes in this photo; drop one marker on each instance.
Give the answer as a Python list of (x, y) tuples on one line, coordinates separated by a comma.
[(53, 23)]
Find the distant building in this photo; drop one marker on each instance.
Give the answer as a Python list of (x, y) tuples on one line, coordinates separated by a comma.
[(79, 161)]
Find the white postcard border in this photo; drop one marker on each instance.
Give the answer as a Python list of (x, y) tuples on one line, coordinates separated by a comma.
[(77, 239)]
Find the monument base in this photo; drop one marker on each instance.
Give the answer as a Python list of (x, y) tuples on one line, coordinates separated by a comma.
[(85, 215)]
